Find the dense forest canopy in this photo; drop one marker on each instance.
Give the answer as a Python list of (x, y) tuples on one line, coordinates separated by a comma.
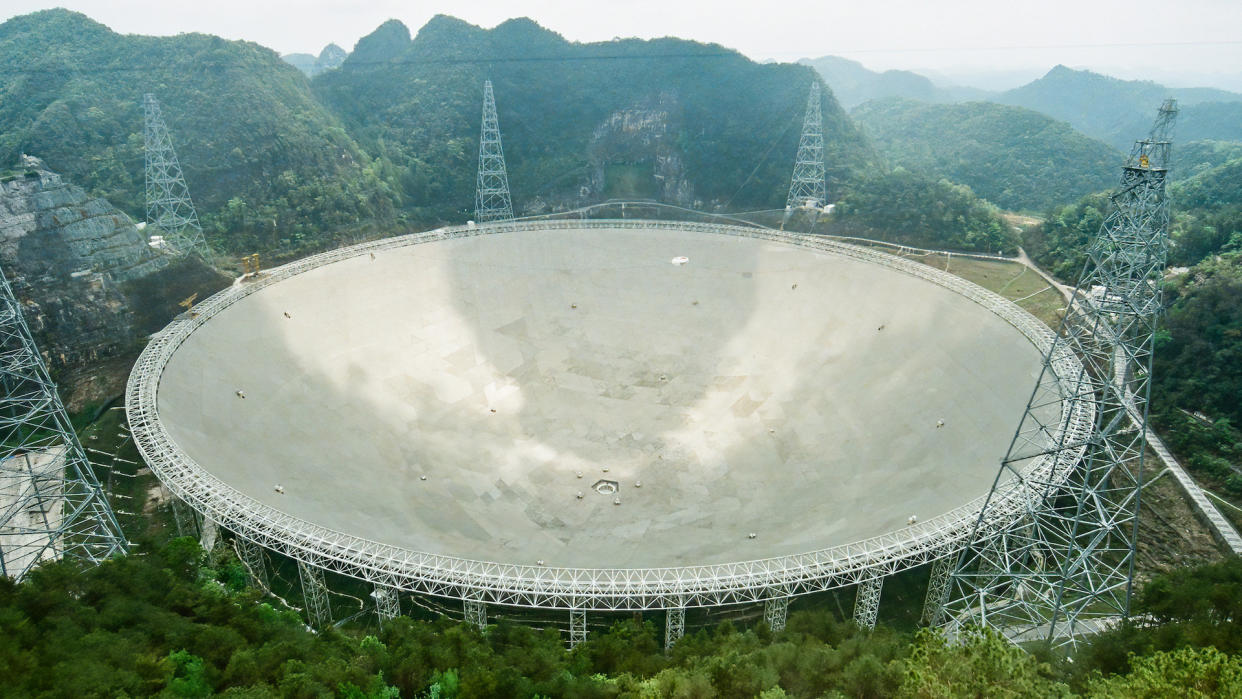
[(1015, 158), (173, 622), (913, 209)]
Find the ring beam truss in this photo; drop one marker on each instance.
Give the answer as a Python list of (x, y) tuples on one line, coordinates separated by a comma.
[(580, 588)]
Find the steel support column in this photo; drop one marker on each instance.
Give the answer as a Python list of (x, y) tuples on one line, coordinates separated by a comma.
[(775, 612), (251, 555), (475, 613), (867, 604), (577, 627), (938, 589), (674, 625), (315, 595), (387, 603)]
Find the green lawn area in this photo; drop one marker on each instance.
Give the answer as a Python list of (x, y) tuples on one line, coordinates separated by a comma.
[(1012, 280)]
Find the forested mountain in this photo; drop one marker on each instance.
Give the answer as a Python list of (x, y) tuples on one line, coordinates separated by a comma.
[(1196, 157), (1016, 158), (244, 123), (1119, 111), (674, 120), (911, 208), (391, 136), (854, 84)]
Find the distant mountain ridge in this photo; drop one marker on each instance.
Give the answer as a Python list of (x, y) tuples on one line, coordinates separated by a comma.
[(332, 56), (853, 84), (1016, 158), (1119, 111)]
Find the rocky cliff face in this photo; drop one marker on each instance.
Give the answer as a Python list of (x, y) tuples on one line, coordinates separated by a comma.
[(633, 154), (66, 255)]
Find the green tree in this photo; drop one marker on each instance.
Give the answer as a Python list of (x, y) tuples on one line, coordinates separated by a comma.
[(980, 663)]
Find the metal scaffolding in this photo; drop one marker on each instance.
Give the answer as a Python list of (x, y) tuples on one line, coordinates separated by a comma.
[(169, 207), (867, 604), (491, 198), (775, 612), (674, 625), (387, 603), (1069, 559), (808, 186), (51, 504), (475, 613), (577, 627), (937, 589), (315, 594), (251, 555)]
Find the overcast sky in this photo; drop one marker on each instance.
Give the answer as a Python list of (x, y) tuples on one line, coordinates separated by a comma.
[(1180, 42)]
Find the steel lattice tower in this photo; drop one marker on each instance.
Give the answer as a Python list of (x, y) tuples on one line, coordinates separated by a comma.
[(807, 187), (51, 505), (491, 198), (169, 207), (1067, 562)]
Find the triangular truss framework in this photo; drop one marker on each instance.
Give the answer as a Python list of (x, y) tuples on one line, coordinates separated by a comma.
[(808, 187), (51, 505), (169, 207), (491, 198), (1064, 565)]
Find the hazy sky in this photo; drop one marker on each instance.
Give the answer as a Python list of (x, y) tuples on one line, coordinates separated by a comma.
[(1180, 42)]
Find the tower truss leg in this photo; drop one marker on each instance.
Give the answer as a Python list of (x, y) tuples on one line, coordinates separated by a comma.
[(475, 613), (315, 594), (251, 555), (867, 604), (937, 589), (51, 504), (674, 625), (808, 186), (1053, 550), (577, 627), (491, 198), (775, 612), (169, 207), (387, 603)]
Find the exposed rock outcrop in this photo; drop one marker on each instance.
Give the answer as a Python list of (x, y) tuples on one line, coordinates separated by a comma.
[(66, 254), (633, 154)]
